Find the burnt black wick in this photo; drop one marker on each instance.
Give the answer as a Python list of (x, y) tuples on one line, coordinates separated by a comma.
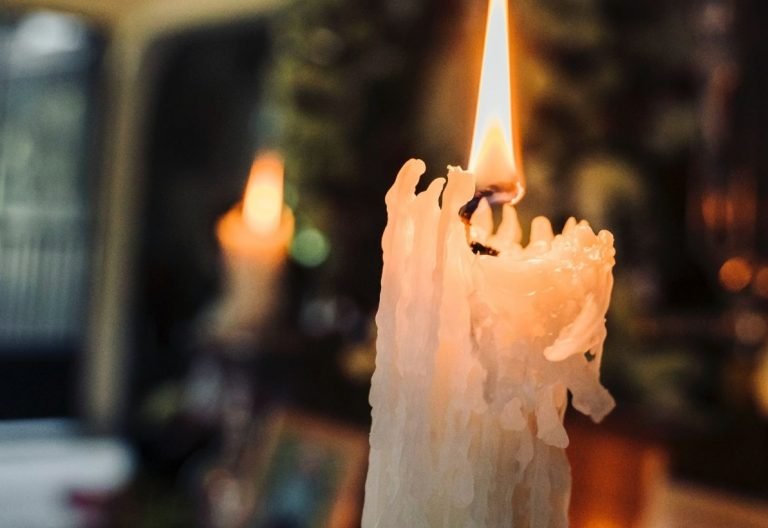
[(469, 208), (466, 212), (481, 249)]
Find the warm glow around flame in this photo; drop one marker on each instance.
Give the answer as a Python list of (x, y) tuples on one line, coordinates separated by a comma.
[(263, 200), (494, 158)]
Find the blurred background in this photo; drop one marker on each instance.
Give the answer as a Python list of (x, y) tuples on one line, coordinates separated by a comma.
[(131, 396)]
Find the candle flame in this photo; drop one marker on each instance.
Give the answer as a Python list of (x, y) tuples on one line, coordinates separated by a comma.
[(495, 157), (263, 200)]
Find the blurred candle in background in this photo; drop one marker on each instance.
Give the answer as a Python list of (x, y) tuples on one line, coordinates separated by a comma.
[(254, 236)]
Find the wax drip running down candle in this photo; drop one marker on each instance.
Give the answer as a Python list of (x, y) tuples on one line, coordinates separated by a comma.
[(476, 352)]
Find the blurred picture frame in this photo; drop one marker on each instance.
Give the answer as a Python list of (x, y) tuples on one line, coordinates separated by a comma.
[(308, 472)]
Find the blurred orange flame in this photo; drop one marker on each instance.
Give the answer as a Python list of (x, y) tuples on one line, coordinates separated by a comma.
[(263, 200)]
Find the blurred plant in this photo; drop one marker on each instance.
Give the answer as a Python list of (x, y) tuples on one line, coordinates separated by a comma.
[(341, 113)]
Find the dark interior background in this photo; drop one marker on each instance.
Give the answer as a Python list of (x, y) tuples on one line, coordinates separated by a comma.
[(648, 120)]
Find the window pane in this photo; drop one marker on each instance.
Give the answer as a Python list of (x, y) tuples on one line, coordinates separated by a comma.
[(46, 98)]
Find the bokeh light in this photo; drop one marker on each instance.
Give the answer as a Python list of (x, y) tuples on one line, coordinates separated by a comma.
[(310, 248), (735, 274)]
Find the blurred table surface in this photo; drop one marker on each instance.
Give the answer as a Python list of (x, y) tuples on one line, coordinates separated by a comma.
[(44, 464), (680, 505)]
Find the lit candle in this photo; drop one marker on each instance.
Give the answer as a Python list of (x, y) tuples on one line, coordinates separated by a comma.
[(254, 237), (476, 352)]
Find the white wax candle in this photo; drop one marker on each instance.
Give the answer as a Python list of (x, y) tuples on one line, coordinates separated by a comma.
[(475, 355)]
